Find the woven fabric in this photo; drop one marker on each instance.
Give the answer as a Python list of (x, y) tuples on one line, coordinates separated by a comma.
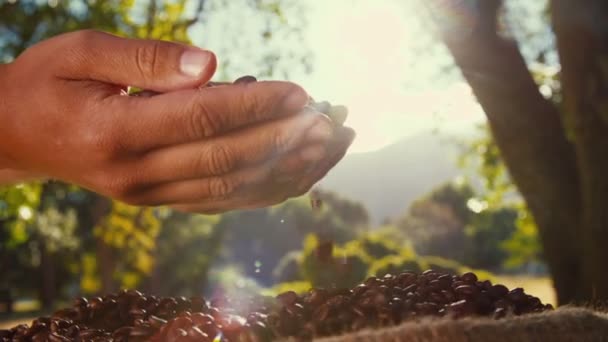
[(563, 325)]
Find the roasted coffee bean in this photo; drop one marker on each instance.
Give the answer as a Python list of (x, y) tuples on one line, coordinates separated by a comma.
[(406, 279), (54, 337), (245, 79), (465, 290), (499, 313), (469, 277), (498, 291), (198, 304), (517, 295), (287, 298), (130, 315), (449, 296), (360, 290), (411, 288)]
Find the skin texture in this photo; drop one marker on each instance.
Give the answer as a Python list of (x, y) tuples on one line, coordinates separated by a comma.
[(198, 149)]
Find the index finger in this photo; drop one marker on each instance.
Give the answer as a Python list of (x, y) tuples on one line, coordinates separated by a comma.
[(145, 123)]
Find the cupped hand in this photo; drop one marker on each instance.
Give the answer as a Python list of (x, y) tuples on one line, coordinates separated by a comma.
[(65, 115)]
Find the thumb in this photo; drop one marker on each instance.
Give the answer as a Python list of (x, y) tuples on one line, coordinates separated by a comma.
[(148, 64)]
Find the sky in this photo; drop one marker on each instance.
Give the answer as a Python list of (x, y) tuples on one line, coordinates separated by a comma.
[(375, 58)]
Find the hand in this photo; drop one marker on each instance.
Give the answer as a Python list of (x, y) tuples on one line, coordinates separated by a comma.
[(65, 115), (9, 176)]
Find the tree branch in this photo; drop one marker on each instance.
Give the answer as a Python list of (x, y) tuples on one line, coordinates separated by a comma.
[(197, 14), (528, 131)]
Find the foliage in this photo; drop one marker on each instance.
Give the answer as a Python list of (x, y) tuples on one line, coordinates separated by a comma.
[(322, 264), (344, 266), (187, 245), (436, 222), (524, 246), (483, 156), (256, 240), (396, 263), (487, 233), (296, 286), (500, 194), (453, 222)]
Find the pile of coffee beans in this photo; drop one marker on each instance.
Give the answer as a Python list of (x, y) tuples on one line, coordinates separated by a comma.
[(378, 302)]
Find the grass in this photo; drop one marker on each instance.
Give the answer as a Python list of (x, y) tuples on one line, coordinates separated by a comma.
[(24, 312)]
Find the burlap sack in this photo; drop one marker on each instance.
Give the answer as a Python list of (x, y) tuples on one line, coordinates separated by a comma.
[(563, 325)]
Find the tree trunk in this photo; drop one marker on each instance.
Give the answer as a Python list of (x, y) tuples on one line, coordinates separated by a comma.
[(47, 273), (582, 35), (104, 254), (533, 144), (106, 265)]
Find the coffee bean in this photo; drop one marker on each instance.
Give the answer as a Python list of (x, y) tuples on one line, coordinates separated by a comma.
[(465, 290), (130, 315), (517, 295), (54, 337), (498, 291), (469, 277), (410, 288), (499, 313), (287, 298), (245, 79)]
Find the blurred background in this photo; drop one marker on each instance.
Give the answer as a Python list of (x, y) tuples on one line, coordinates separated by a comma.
[(424, 185)]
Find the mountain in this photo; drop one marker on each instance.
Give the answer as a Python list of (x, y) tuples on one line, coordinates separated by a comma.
[(386, 181)]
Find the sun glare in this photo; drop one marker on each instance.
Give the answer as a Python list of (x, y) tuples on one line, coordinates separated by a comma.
[(376, 58), (367, 57)]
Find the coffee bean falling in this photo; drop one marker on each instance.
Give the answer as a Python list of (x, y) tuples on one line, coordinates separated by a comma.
[(130, 315)]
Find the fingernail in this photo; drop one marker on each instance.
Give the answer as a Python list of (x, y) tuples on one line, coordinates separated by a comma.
[(320, 131), (312, 153), (194, 62)]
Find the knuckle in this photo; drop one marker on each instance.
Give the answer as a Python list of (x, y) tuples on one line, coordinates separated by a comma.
[(202, 123), (281, 140), (251, 102), (75, 46), (121, 187), (221, 187), (219, 160), (147, 58)]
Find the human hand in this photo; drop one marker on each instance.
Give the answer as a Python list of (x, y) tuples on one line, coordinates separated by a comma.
[(207, 150)]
